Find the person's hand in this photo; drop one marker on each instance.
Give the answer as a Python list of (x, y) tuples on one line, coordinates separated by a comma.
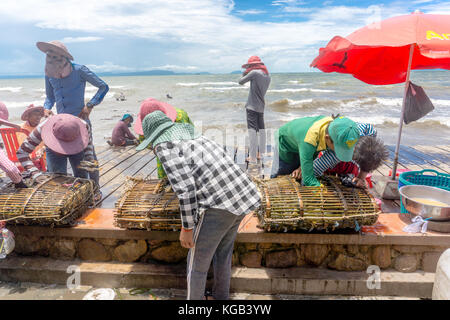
[(186, 238), (84, 114), (39, 179), (20, 185), (48, 113), (297, 173), (360, 183)]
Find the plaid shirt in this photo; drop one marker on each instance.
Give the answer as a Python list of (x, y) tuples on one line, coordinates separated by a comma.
[(203, 176)]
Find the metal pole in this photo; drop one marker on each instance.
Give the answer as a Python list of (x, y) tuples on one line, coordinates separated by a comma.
[(397, 147)]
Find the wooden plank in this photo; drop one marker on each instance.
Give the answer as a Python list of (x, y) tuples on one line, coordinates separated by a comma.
[(435, 157), (113, 154), (403, 162), (240, 158), (117, 176), (444, 147), (99, 150), (144, 168), (119, 167), (123, 157)]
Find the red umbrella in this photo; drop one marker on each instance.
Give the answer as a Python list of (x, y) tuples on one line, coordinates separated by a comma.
[(385, 52)]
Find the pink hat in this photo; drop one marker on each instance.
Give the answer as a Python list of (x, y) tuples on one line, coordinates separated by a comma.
[(65, 134), (31, 108), (148, 106), (252, 60), (4, 114), (56, 46)]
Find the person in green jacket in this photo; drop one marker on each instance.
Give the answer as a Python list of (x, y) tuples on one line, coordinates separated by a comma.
[(299, 141)]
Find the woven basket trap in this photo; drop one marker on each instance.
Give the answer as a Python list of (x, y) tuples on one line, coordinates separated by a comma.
[(148, 204), (57, 201), (288, 206)]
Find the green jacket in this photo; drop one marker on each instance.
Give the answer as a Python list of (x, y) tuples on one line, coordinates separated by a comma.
[(291, 142)]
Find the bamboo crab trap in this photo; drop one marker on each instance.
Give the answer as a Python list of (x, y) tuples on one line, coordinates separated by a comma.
[(57, 201), (288, 206), (148, 204)]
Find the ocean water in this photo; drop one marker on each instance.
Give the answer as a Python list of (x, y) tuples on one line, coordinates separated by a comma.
[(216, 103)]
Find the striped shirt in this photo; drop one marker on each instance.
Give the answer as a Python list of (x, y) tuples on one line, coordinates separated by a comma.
[(203, 176), (33, 141), (329, 160), (10, 168)]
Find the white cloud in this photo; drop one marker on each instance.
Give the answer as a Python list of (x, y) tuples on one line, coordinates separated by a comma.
[(109, 66), (206, 34), (250, 12), (175, 68), (80, 39)]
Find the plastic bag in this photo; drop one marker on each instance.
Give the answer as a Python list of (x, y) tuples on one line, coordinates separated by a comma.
[(417, 103), (418, 225), (7, 242)]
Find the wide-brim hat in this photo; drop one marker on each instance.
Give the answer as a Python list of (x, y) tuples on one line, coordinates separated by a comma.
[(65, 134), (158, 128), (31, 108), (252, 61), (56, 46), (150, 105)]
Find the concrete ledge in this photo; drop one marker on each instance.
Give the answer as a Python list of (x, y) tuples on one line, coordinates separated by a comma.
[(99, 223), (299, 281)]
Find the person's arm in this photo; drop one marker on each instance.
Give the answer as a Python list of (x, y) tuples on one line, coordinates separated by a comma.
[(128, 133), (10, 169), (306, 152), (246, 78), (50, 96), (89, 150), (328, 160), (26, 148), (93, 79)]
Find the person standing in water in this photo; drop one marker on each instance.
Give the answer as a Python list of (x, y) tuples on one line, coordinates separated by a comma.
[(258, 75), (65, 84)]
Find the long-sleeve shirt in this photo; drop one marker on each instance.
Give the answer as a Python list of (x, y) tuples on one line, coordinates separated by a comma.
[(22, 136), (34, 139), (68, 92), (204, 176), (259, 83), (120, 133), (9, 168), (329, 160), (305, 137)]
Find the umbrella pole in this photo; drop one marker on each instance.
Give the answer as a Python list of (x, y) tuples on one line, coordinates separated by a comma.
[(397, 147)]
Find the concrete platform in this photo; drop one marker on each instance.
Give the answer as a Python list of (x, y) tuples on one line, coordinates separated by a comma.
[(99, 223), (291, 281)]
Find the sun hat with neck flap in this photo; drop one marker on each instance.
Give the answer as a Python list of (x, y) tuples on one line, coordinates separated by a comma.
[(150, 105), (159, 128), (55, 46), (65, 134)]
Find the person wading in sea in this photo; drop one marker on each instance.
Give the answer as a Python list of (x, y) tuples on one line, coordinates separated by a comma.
[(256, 72)]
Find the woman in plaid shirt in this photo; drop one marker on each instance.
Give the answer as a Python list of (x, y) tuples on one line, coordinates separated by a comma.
[(214, 195)]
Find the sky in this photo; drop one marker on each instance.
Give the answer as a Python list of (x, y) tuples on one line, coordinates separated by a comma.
[(216, 36)]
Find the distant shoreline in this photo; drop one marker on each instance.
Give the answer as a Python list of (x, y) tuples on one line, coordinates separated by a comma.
[(171, 73)]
